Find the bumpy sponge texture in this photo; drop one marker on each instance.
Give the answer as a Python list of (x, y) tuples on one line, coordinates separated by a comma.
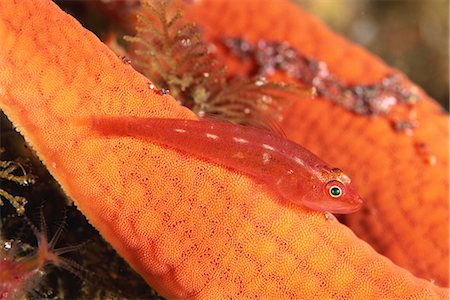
[(188, 227), (406, 216)]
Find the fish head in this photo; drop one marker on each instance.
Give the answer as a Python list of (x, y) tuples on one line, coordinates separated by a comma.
[(332, 192)]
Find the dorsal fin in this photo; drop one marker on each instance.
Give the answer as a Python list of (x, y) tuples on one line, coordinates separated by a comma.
[(275, 127), (267, 123)]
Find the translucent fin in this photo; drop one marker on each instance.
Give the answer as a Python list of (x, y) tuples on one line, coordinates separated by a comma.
[(275, 127), (264, 123)]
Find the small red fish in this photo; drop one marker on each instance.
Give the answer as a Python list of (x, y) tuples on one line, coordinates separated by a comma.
[(286, 168)]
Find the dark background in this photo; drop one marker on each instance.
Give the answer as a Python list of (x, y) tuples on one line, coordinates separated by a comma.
[(410, 35)]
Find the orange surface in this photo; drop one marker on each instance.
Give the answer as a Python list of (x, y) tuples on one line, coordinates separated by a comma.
[(188, 227), (407, 210)]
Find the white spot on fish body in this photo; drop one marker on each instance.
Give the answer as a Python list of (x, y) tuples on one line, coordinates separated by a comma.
[(239, 155), (240, 140), (268, 147), (299, 161), (212, 136), (266, 158), (179, 130)]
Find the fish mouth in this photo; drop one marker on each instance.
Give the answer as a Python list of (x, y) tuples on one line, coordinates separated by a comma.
[(350, 206), (344, 207)]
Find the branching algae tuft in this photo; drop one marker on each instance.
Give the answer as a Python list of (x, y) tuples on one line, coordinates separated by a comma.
[(14, 172), (173, 55)]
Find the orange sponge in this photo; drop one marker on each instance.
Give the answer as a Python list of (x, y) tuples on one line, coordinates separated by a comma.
[(407, 209), (189, 227)]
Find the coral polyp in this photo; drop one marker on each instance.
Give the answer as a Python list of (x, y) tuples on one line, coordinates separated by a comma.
[(21, 273)]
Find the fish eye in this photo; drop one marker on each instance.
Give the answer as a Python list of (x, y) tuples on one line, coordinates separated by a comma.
[(335, 191), (335, 188)]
